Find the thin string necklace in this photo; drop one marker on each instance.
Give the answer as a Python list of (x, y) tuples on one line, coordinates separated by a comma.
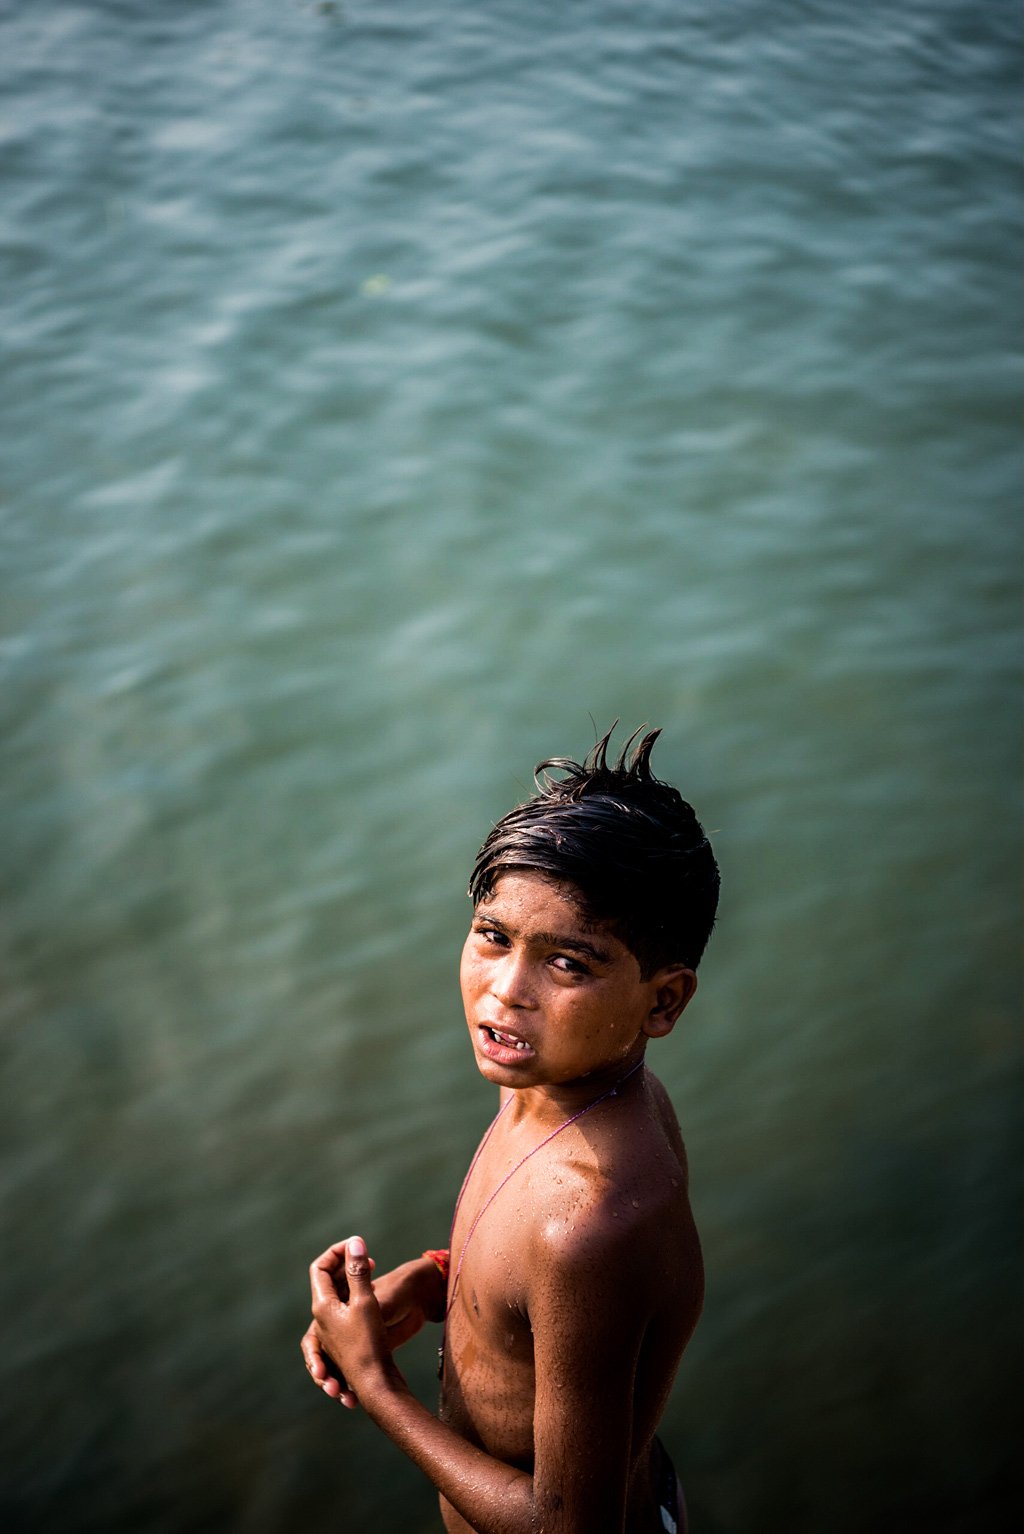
[(612, 1092)]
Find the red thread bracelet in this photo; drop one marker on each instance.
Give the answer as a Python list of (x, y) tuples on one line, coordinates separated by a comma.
[(441, 1261)]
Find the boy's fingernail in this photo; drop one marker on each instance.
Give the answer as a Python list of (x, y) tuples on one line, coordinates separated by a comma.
[(357, 1247)]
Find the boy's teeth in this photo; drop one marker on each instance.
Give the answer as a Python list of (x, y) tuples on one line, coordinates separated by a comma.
[(503, 1038)]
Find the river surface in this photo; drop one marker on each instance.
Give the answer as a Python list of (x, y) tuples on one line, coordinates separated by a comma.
[(390, 390)]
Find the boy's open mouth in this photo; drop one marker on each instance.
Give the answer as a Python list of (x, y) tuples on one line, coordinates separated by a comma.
[(504, 1047), (506, 1038)]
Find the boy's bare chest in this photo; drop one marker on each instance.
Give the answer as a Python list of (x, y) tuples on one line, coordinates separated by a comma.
[(489, 1382), (497, 1218), (519, 1185)]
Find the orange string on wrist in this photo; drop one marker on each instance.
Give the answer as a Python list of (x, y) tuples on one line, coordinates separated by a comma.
[(441, 1261)]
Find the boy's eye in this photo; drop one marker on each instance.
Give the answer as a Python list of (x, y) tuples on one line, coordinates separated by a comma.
[(490, 934), (567, 966)]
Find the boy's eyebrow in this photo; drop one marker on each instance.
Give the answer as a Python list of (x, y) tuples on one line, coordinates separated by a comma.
[(552, 939), (575, 945)]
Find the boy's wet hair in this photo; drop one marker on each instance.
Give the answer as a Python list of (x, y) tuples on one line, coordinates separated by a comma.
[(630, 845)]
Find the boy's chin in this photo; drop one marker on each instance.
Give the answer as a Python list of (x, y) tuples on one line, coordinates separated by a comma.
[(503, 1075)]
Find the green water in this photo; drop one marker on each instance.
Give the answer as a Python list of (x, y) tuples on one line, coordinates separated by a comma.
[(387, 390)]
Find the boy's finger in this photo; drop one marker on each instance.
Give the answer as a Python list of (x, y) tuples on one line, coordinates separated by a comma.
[(313, 1357), (358, 1267), (322, 1271), (334, 1257), (321, 1282)]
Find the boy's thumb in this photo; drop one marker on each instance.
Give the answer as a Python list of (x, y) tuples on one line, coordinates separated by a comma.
[(357, 1263)]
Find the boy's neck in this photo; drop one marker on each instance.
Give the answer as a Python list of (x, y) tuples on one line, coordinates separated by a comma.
[(549, 1104)]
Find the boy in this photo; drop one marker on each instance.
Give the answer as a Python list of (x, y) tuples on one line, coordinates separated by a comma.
[(576, 1277)]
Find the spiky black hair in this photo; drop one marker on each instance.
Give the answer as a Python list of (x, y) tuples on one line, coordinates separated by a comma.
[(628, 844)]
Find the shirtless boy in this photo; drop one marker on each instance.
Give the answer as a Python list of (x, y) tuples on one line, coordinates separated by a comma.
[(575, 1276)]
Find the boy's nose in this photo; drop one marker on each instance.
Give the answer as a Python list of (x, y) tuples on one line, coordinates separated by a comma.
[(510, 982)]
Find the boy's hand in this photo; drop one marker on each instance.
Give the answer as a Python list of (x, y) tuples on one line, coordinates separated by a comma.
[(348, 1332), (321, 1369), (409, 1296)]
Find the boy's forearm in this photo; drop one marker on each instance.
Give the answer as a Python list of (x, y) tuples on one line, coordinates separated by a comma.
[(490, 1495)]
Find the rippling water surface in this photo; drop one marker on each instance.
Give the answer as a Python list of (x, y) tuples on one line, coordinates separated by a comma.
[(388, 389)]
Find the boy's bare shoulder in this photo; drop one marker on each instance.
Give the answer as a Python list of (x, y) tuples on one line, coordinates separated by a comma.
[(610, 1193)]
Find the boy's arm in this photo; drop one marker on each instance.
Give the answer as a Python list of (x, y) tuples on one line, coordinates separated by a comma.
[(587, 1328), (588, 1311), (492, 1496)]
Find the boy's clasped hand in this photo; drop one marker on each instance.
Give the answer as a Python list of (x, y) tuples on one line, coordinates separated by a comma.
[(358, 1320)]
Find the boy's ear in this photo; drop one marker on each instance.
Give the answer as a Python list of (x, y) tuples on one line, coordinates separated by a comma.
[(674, 988)]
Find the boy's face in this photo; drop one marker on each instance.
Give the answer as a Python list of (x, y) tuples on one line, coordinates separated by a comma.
[(550, 999)]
